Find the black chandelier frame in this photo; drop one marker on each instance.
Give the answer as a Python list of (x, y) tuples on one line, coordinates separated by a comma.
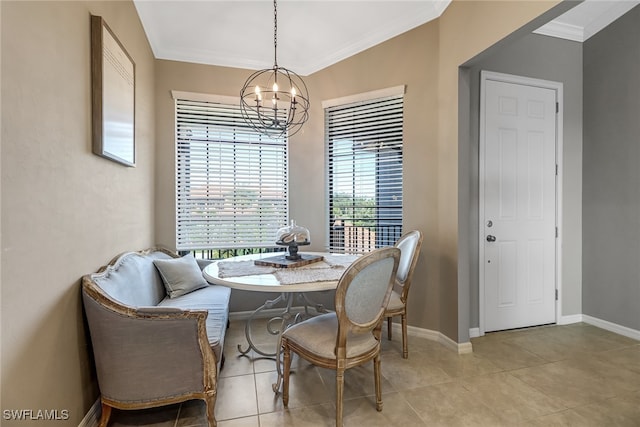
[(275, 101)]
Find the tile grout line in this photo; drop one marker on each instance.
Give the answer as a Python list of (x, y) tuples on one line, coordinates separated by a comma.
[(255, 387)]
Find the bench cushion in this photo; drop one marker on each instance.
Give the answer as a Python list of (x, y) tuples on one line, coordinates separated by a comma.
[(213, 299)]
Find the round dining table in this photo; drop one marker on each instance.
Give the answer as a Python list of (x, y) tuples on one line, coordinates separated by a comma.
[(291, 282)]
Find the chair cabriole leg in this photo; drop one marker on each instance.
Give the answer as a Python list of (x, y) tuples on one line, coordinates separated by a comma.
[(339, 393), (106, 413), (405, 343), (287, 366), (376, 374), (210, 402)]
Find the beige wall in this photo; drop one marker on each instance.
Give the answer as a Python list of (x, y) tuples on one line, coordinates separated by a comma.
[(426, 60), (405, 60), (65, 211), (410, 59)]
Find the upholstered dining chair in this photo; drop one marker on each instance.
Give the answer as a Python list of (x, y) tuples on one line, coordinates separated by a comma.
[(351, 336), (409, 245)]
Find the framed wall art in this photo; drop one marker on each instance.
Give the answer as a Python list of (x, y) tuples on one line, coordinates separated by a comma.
[(113, 96)]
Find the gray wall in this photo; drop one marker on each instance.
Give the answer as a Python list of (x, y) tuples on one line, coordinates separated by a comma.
[(551, 59), (611, 178)]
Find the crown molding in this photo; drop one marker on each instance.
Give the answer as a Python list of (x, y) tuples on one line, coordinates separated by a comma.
[(379, 35), (615, 11), (593, 16), (562, 31), (168, 42)]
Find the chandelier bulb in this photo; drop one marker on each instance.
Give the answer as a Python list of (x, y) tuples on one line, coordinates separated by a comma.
[(275, 87), (258, 95)]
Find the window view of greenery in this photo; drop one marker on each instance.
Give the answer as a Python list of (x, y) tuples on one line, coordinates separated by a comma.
[(361, 223), (359, 209), (364, 143)]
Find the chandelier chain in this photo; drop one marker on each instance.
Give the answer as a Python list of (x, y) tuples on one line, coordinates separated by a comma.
[(275, 34)]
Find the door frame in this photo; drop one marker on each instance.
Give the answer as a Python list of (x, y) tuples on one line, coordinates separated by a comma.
[(527, 81)]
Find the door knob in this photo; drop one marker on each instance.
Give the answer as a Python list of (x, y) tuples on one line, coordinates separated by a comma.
[(491, 238)]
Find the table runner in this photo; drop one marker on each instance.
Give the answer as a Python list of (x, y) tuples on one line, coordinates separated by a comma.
[(331, 268)]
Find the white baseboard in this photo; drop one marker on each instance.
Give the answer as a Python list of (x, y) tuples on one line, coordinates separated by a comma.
[(572, 318), (460, 348), (563, 320), (612, 327), (577, 318), (474, 332), (92, 418)]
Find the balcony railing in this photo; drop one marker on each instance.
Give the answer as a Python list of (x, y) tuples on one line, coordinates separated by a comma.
[(343, 239), (358, 239), (228, 253)]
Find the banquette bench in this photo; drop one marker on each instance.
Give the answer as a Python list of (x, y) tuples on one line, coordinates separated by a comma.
[(157, 330)]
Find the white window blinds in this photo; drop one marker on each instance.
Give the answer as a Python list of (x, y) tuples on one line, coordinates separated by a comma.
[(231, 182), (364, 149)]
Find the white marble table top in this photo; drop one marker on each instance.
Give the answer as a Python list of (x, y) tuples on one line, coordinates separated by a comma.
[(319, 276)]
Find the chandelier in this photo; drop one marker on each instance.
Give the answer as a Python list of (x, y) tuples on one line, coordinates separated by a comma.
[(275, 101)]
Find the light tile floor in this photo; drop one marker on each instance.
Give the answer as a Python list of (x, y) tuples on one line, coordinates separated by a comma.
[(574, 375)]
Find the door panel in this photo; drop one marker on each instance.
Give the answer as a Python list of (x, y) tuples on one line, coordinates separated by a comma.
[(519, 187)]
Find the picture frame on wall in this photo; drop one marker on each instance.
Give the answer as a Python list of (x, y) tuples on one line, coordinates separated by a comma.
[(113, 96)]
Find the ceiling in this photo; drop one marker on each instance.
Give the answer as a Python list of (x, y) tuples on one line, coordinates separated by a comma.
[(313, 34)]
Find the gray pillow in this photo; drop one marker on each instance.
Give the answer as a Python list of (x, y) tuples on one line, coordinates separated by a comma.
[(180, 275)]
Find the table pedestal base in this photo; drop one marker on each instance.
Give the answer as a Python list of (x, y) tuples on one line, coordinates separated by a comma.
[(277, 324)]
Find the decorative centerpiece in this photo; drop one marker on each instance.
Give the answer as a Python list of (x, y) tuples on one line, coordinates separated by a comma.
[(293, 236)]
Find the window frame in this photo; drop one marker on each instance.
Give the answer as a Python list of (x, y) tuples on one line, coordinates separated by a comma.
[(355, 102), (221, 103)]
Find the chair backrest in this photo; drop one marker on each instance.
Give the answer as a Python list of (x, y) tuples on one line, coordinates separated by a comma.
[(409, 245), (364, 289)]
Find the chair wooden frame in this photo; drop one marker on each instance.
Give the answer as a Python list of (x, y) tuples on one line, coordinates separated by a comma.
[(346, 325), (402, 287)]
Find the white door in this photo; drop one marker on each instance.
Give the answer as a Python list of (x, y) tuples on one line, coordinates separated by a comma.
[(518, 210)]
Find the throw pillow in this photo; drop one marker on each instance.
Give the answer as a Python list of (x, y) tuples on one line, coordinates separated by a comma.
[(180, 275)]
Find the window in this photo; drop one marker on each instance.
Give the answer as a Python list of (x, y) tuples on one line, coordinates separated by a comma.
[(364, 150), (231, 182)]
